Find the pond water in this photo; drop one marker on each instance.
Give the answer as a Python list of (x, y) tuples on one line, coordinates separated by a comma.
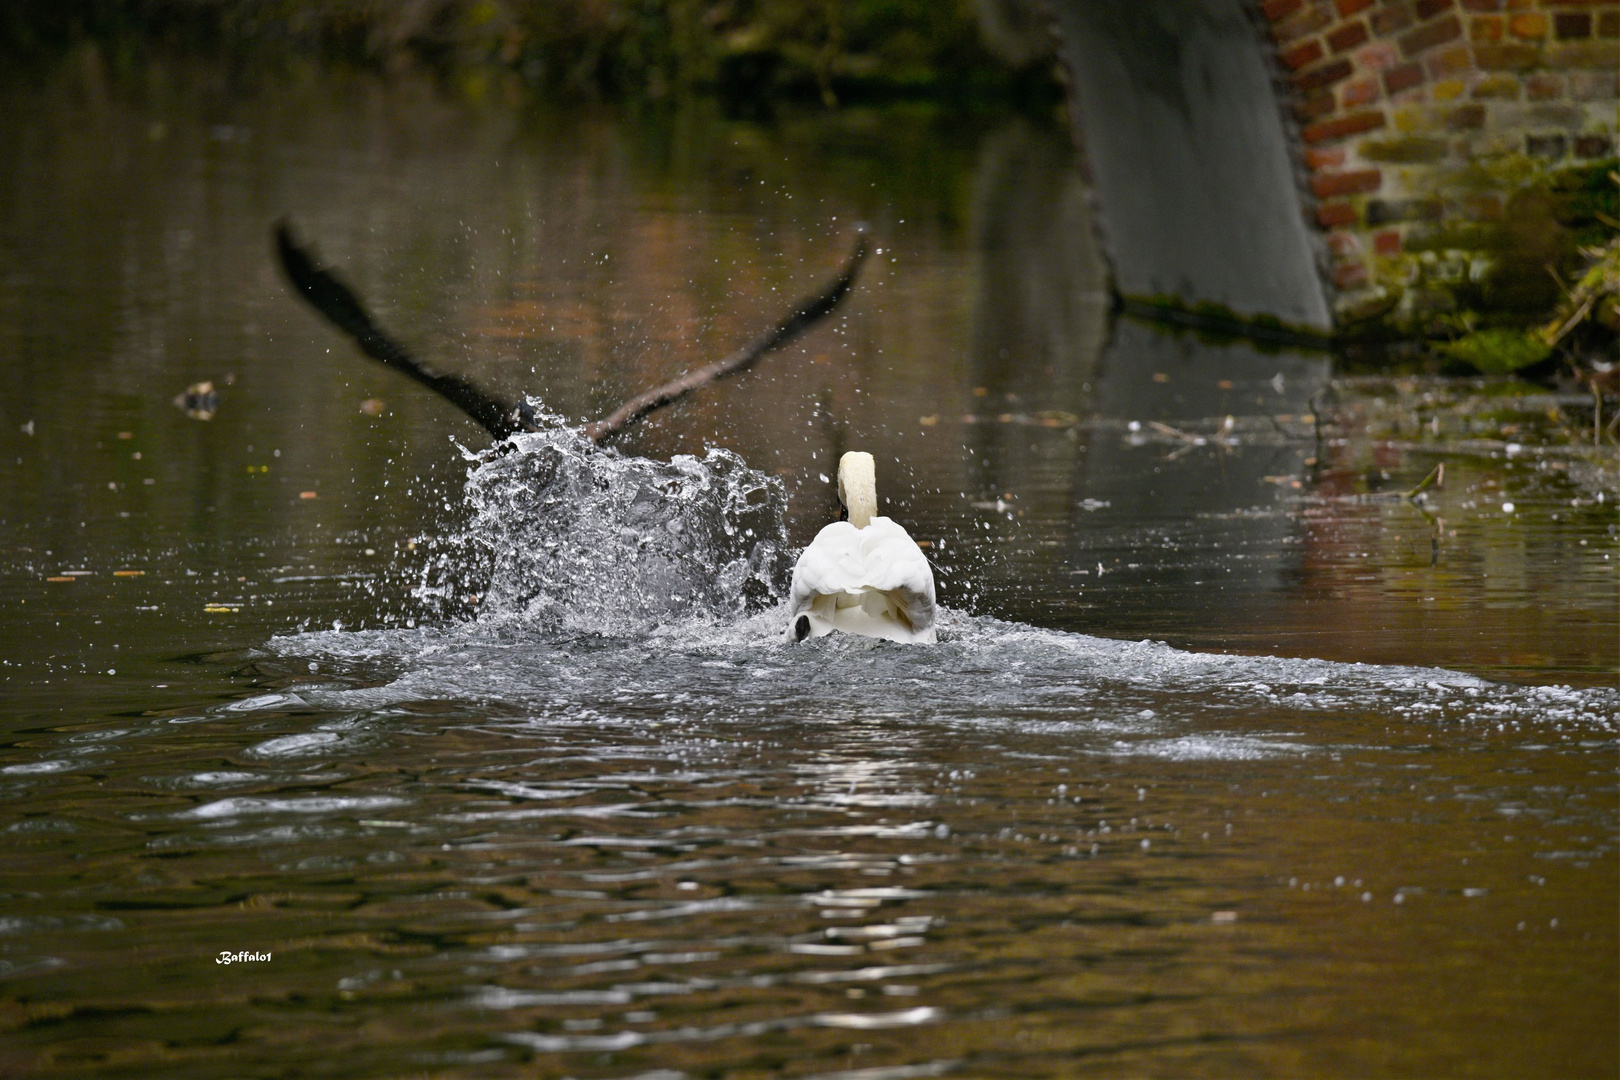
[(1229, 761)]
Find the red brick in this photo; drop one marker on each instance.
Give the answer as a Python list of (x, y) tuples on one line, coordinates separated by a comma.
[(1301, 23), (1571, 24), (1505, 57), (1403, 78), (1354, 124), (1280, 9), (1323, 159), (1360, 92), (1379, 56), (1528, 26), (1300, 55), (1486, 28), (1482, 5), (1582, 54), (1428, 9), (1360, 182), (1343, 243), (1387, 242), (1544, 86), (1349, 275), (1449, 62), (1335, 213), (1325, 75), (1348, 8), (1348, 37), (1392, 18), (1427, 37)]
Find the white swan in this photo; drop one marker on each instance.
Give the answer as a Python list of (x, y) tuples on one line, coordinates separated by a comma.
[(863, 576)]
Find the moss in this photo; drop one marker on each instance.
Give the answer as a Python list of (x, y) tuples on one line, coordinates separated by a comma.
[(1498, 351)]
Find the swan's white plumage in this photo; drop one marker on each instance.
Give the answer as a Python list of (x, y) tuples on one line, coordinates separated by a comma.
[(872, 581)]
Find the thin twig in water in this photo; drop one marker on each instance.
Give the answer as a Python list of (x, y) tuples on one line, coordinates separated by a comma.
[(1436, 478)]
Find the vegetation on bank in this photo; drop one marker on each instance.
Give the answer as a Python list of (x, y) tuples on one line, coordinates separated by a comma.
[(747, 51)]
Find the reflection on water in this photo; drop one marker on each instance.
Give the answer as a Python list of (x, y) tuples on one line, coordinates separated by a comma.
[(490, 844)]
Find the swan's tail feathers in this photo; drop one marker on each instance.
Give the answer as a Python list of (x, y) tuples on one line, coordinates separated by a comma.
[(805, 314), (327, 293)]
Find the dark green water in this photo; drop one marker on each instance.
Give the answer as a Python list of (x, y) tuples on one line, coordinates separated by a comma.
[(475, 843)]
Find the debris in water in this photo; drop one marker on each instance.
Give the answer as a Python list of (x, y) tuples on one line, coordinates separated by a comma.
[(199, 401)]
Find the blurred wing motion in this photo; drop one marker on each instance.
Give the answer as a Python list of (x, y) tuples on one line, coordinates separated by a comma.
[(332, 298), (874, 582)]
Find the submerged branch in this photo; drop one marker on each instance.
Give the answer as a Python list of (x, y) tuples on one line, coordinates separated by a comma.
[(335, 300)]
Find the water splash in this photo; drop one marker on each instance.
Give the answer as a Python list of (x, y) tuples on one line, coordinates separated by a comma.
[(576, 538)]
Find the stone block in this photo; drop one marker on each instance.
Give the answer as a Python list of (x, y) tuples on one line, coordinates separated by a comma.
[(1348, 275), (1448, 90), (1543, 86), (1551, 147), (1301, 23), (1353, 124), (1360, 182), (1300, 55), (1403, 78), (1343, 243), (1335, 213), (1408, 150), (1481, 207), (1277, 10), (1315, 106), (1347, 37), (1428, 9), (1608, 24), (1428, 36), (1449, 62), (1324, 75), (1359, 92), (1594, 146), (1569, 25), (1465, 117), (1592, 85), (1485, 28), (1393, 18), (1584, 54), (1532, 26), (1506, 57), (1384, 211), (1499, 87), (1482, 5), (1568, 117), (1348, 8)]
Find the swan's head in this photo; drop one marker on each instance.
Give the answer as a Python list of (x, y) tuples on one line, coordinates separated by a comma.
[(857, 487)]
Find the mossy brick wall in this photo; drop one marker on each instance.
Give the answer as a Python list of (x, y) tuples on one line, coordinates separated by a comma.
[(1421, 120)]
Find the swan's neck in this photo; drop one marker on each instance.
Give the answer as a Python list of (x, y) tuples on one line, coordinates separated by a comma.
[(857, 488)]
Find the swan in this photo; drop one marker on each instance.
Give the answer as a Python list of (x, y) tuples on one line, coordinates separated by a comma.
[(865, 575)]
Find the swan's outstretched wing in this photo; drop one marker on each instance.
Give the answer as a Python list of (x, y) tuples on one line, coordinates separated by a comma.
[(332, 298)]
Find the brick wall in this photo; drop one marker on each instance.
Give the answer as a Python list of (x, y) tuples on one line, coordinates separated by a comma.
[(1419, 118)]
